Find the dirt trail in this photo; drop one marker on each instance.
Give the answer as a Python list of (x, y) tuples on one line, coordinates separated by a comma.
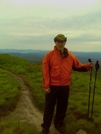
[(25, 110)]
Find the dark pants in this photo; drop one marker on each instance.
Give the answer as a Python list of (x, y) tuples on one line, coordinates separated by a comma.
[(59, 97)]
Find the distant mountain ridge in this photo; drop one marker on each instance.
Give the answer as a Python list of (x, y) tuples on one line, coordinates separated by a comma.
[(21, 51), (37, 55)]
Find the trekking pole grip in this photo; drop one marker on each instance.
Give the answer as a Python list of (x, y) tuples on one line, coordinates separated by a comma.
[(90, 62), (97, 66)]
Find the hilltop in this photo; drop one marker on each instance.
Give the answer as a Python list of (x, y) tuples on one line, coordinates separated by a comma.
[(30, 77)]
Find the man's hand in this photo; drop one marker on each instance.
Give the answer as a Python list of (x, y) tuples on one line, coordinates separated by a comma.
[(47, 90), (91, 64)]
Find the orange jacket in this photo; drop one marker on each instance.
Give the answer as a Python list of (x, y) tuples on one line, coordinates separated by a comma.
[(57, 69)]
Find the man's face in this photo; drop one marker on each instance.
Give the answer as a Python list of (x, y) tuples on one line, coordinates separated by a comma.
[(60, 45)]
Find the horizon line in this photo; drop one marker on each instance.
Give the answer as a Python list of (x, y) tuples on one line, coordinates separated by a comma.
[(42, 50)]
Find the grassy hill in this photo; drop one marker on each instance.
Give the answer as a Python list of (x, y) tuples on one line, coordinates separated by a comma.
[(76, 117), (10, 93)]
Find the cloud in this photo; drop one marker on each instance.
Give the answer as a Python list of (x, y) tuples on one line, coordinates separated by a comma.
[(38, 25), (54, 3)]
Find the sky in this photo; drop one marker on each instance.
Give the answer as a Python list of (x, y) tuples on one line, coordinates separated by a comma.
[(33, 24)]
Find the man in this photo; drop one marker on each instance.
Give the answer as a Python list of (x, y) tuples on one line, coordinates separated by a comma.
[(57, 67)]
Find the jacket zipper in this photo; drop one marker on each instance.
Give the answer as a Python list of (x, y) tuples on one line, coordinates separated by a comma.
[(60, 69)]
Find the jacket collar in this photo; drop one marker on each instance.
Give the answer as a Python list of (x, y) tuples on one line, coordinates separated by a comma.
[(64, 54)]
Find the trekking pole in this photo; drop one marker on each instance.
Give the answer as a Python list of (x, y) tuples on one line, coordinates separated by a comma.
[(97, 66), (89, 88)]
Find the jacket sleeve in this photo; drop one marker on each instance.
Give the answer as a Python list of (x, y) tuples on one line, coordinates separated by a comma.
[(77, 66), (45, 71)]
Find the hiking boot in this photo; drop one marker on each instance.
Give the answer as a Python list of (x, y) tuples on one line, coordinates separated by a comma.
[(45, 131), (60, 128)]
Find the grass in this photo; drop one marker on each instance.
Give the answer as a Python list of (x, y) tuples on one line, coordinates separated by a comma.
[(77, 112), (9, 92), (16, 127), (14, 64), (76, 116)]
